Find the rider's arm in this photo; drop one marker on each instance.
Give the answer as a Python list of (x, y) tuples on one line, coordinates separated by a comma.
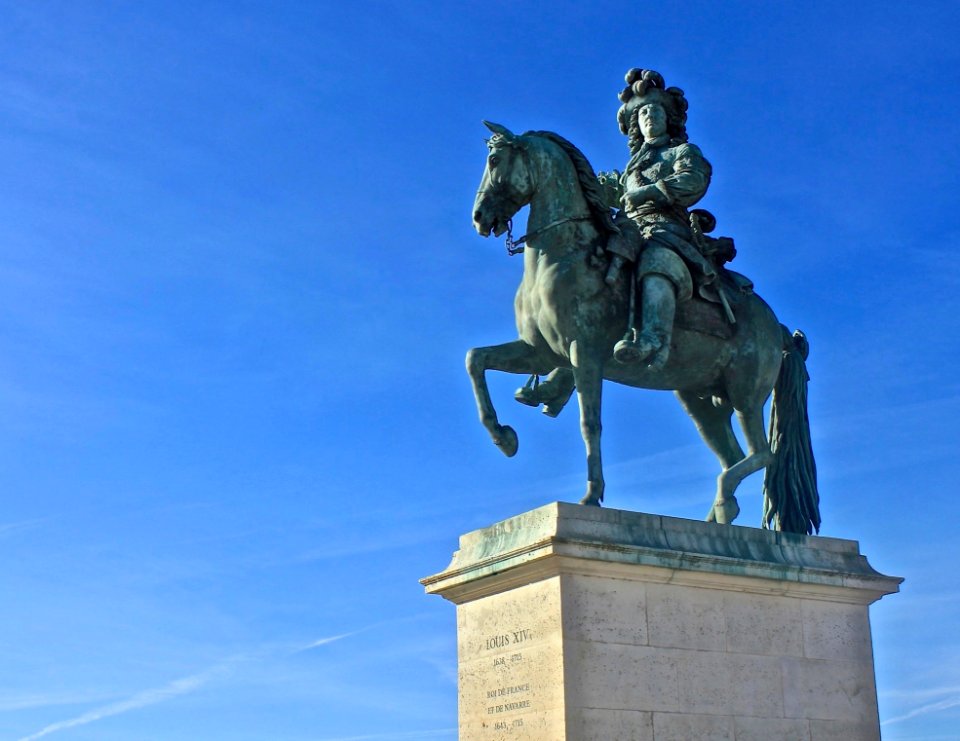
[(690, 177), (685, 185)]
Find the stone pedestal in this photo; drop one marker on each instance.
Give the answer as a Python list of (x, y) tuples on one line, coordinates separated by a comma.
[(585, 624)]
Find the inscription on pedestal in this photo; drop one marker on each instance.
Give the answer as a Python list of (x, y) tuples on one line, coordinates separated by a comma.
[(510, 669), (510, 695)]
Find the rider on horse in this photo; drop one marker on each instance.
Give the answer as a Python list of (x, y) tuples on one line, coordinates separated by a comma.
[(664, 177), (661, 243), (720, 362)]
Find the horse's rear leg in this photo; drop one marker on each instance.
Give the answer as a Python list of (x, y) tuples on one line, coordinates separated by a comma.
[(713, 423), (725, 507), (512, 357), (588, 375)]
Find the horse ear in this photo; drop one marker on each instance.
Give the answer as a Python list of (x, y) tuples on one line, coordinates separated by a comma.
[(498, 129)]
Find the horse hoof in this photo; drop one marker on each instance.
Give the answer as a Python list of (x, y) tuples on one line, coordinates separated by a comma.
[(725, 512), (593, 497), (507, 441)]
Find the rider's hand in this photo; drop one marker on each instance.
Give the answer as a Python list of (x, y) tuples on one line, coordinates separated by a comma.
[(644, 194)]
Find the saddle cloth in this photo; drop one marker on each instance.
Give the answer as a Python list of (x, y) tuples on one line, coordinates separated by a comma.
[(706, 315)]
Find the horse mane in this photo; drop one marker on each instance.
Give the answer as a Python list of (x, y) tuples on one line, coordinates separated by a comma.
[(592, 191)]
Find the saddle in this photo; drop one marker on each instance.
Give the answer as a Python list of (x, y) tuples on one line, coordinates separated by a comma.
[(704, 313)]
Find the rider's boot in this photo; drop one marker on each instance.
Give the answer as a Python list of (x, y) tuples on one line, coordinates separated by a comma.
[(652, 345), (554, 392)]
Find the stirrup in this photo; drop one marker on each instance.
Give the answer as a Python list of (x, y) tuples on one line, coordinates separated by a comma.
[(529, 393), (533, 394), (633, 349)]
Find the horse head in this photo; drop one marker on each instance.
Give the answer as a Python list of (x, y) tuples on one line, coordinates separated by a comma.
[(507, 183)]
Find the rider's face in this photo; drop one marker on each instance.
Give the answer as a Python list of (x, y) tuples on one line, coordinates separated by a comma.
[(653, 121)]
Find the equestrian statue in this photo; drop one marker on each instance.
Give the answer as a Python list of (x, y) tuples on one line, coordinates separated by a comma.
[(622, 282)]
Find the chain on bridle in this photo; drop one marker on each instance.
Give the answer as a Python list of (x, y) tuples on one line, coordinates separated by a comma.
[(515, 246)]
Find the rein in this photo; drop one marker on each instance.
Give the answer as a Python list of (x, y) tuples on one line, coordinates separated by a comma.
[(515, 246)]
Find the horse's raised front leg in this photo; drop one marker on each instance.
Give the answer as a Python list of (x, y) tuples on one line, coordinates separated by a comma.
[(588, 374), (512, 357)]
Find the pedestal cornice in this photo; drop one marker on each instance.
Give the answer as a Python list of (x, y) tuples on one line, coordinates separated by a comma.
[(567, 538)]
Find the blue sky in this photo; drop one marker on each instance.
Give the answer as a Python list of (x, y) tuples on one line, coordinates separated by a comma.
[(238, 278)]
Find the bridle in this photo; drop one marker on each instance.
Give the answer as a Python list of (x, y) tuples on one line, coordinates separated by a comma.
[(515, 246)]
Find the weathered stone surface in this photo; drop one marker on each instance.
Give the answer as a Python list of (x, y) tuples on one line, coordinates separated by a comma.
[(840, 730), (619, 677), (835, 632), (718, 683), (604, 610), (829, 690), (622, 725), (687, 727), (578, 624), (771, 627), (685, 617), (765, 729)]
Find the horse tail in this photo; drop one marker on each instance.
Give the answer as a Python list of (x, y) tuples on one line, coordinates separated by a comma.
[(791, 501)]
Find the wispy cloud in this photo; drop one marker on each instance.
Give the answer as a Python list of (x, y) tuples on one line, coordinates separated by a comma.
[(26, 701), (933, 707), (373, 626), (324, 641), (7, 528), (177, 687), (922, 693)]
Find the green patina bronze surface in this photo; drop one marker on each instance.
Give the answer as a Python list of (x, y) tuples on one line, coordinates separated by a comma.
[(622, 282)]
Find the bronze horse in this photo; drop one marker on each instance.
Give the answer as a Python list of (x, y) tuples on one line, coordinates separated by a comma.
[(567, 317)]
